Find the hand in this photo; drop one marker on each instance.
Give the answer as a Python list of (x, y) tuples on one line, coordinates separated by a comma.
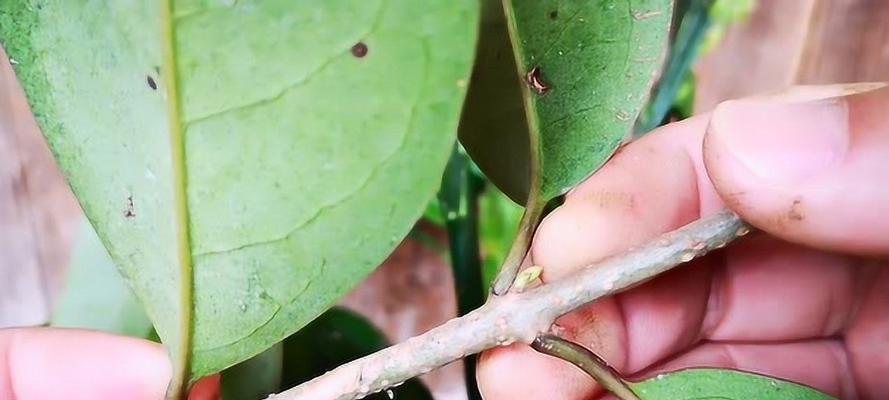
[(46, 363), (801, 301)]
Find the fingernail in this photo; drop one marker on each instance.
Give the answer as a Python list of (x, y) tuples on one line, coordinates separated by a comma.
[(796, 94), (781, 141)]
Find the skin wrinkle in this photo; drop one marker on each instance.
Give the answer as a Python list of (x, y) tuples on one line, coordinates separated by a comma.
[(715, 310), (685, 338), (829, 310), (845, 380), (729, 358), (625, 334), (853, 351), (867, 282)]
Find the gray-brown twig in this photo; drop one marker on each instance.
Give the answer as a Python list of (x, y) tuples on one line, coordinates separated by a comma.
[(519, 317)]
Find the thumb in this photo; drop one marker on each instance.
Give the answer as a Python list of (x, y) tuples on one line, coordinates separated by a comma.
[(811, 166)]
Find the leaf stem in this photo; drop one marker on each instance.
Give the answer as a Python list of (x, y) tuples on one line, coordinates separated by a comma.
[(535, 204), (586, 360), (519, 317), (520, 247), (180, 350)]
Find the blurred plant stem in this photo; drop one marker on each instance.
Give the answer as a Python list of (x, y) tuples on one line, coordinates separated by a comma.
[(683, 53), (458, 199)]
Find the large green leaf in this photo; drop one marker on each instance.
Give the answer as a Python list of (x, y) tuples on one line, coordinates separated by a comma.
[(335, 338), (95, 296), (722, 384), (245, 163), (493, 128), (585, 69)]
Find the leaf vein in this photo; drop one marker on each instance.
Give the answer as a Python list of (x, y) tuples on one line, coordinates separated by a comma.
[(292, 86), (558, 37), (370, 177)]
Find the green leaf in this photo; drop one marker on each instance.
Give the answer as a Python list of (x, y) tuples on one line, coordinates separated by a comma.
[(255, 378), (585, 69), (498, 221), (722, 384), (493, 129), (335, 338), (95, 296), (245, 163)]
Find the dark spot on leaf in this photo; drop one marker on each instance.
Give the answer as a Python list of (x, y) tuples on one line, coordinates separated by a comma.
[(151, 83), (535, 81), (553, 14), (359, 50), (130, 212)]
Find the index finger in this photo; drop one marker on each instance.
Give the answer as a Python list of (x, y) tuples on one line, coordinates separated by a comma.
[(48, 363)]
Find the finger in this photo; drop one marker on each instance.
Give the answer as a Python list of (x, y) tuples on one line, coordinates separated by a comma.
[(654, 185), (868, 336), (518, 372), (769, 290), (624, 204), (807, 171), (827, 366), (207, 388), (633, 198), (42, 363)]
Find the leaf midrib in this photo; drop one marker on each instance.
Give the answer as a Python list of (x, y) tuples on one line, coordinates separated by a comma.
[(181, 355), (533, 201)]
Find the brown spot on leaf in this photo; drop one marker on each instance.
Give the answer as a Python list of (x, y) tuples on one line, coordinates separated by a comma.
[(151, 83), (130, 212), (359, 50), (534, 79)]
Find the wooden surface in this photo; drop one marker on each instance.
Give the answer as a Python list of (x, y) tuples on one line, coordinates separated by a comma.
[(38, 214), (787, 42), (848, 41), (412, 292)]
